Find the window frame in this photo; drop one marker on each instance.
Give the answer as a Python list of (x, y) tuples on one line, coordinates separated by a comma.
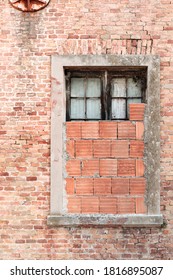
[(106, 76), (58, 203)]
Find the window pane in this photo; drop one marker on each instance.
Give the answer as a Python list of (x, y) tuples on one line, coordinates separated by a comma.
[(132, 100), (93, 109), (133, 88), (77, 109), (77, 87), (118, 87), (93, 87), (118, 109)]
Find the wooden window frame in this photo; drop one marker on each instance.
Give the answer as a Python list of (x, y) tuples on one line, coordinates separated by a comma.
[(106, 76)]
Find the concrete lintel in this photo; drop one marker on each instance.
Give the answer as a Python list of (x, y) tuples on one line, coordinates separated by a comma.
[(77, 220)]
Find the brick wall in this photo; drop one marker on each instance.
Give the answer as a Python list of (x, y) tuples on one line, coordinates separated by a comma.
[(105, 165), (26, 43)]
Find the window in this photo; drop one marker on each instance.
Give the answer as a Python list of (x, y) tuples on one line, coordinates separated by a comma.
[(103, 95), (115, 77)]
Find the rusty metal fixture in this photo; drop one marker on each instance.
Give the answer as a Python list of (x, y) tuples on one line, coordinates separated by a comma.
[(29, 5)]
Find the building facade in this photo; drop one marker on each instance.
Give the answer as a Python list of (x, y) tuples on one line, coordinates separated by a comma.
[(86, 117)]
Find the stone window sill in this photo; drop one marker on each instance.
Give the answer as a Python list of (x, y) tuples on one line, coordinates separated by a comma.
[(77, 220)]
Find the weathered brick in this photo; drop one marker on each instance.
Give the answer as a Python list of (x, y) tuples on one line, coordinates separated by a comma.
[(120, 186), (137, 111), (108, 129), (120, 149), (136, 149), (108, 167), (126, 130), (101, 148), (84, 186), (84, 149), (126, 167), (102, 186)]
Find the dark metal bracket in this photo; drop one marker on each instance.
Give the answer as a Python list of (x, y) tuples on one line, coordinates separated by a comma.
[(29, 5)]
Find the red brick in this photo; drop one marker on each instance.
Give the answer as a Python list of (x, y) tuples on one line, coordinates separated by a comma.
[(126, 205), (140, 206), (90, 130), (108, 129), (137, 186), (84, 149), (73, 167), (90, 205), (120, 149), (70, 148), (126, 130), (136, 149), (120, 186), (70, 185), (102, 186), (139, 130), (74, 205), (73, 129), (90, 167), (136, 111), (108, 167), (140, 168), (108, 205), (126, 167), (102, 148), (84, 186)]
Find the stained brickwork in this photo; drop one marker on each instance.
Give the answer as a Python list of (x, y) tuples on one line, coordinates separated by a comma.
[(26, 43)]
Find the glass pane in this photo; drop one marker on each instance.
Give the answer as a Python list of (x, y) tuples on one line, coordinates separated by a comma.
[(133, 88), (93, 109), (77, 87), (132, 100), (93, 87), (77, 109), (118, 109), (118, 87)]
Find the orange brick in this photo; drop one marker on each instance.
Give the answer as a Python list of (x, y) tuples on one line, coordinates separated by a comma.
[(136, 149), (102, 148), (140, 168), (70, 148), (70, 185), (108, 167), (139, 130), (120, 149), (108, 129), (90, 167), (126, 130), (84, 186), (108, 205), (73, 167), (73, 129), (84, 149), (137, 186), (126, 167), (90, 130), (90, 205), (126, 205), (140, 206), (120, 186), (74, 205), (136, 111), (102, 186)]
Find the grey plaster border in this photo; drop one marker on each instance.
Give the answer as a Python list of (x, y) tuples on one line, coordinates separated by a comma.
[(58, 209), (137, 220)]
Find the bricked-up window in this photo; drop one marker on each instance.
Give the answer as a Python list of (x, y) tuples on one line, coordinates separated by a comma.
[(103, 95)]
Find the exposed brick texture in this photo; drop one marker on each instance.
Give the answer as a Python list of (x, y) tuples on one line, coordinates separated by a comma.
[(26, 43)]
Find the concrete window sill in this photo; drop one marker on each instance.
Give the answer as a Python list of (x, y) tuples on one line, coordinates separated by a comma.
[(133, 220)]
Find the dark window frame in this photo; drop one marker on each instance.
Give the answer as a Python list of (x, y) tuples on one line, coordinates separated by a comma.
[(106, 76)]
